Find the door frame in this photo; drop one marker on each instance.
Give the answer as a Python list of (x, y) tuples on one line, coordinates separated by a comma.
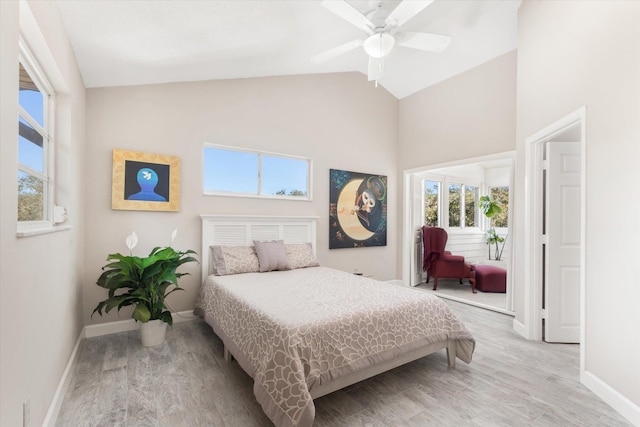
[(412, 218), (533, 219)]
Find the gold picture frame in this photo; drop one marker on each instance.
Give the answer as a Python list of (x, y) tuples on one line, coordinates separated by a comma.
[(145, 181)]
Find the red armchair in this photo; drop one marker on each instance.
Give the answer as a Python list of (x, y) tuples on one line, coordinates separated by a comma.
[(440, 263)]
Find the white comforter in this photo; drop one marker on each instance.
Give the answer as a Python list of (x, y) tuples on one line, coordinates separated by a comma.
[(295, 330)]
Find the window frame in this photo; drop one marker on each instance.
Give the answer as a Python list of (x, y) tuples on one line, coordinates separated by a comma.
[(260, 154), (438, 198), (32, 66), (476, 210), (491, 187), (443, 202), (461, 213)]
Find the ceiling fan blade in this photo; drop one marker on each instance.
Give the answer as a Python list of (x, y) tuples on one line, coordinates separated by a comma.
[(406, 10), (336, 51), (347, 12), (423, 41), (376, 68)]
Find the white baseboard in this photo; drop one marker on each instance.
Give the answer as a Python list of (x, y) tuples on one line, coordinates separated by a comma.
[(100, 329), (91, 331), (520, 328), (63, 386), (612, 397)]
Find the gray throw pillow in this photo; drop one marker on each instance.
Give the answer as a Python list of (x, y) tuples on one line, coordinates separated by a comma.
[(272, 255)]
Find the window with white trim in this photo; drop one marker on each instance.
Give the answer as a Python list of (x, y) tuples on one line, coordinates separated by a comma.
[(36, 184), (501, 195), (455, 207), (470, 208), (238, 172), (432, 203)]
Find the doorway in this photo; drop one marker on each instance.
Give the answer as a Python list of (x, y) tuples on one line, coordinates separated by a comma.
[(554, 250), (467, 234)]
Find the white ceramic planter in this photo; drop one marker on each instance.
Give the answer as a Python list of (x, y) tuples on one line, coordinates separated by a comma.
[(152, 333)]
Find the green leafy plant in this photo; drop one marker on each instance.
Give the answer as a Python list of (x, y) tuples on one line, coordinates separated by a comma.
[(494, 238), (490, 208), (143, 282)]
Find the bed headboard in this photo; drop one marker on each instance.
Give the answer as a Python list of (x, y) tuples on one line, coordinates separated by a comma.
[(240, 230)]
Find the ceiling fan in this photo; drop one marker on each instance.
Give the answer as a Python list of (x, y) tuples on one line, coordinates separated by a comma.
[(381, 27)]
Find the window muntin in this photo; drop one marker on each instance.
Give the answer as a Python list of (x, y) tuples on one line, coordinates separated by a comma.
[(432, 203), (233, 171), (35, 146)]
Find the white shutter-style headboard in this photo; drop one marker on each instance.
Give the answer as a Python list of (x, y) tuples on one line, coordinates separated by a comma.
[(240, 230)]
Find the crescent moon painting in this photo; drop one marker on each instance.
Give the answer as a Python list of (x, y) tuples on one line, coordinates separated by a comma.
[(358, 210)]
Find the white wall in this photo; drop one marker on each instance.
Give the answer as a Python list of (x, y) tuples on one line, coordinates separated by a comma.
[(40, 276), (338, 120), (470, 115), (572, 54), (471, 245), (466, 116)]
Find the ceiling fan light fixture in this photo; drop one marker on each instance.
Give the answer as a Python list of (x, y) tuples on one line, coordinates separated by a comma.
[(379, 45)]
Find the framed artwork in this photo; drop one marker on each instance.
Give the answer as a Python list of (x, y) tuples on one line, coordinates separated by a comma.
[(357, 209), (145, 181)]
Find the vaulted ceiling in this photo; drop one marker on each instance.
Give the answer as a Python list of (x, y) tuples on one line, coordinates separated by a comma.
[(119, 43)]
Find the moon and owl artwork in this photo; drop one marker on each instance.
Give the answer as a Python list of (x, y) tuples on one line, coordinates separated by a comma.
[(357, 209)]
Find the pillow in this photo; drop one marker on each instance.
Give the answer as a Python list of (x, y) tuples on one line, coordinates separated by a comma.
[(272, 255), (300, 255), (234, 259)]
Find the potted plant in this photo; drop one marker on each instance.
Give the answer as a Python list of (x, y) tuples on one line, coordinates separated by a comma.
[(490, 208), (144, 283)]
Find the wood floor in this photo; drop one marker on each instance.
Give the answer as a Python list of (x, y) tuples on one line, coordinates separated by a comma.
[(186, 382), (452, 289)]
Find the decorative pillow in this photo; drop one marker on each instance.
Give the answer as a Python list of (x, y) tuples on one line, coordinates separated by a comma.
[(272, 255), (300, 255), (234, 260)]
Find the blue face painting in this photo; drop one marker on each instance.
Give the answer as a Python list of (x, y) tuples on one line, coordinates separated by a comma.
[(147, 179)]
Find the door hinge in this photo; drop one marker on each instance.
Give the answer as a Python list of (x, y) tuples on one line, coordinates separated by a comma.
[(544, 165), (544, 239), (543, 313)]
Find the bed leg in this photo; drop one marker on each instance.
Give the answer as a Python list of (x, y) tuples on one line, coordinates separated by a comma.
[(451, 353), (227, 354)]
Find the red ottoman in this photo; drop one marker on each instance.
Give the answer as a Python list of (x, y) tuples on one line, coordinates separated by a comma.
[(490, 278)]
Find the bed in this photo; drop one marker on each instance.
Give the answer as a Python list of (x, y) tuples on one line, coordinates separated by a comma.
[(310, 330)]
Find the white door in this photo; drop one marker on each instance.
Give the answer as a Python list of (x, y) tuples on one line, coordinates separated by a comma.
[(562, 251)]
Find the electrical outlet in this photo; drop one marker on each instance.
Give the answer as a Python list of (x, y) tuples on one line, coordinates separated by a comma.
[(26, 412)]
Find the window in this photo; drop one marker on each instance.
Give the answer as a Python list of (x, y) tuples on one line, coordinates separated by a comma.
[(501, 194), (35, 145), (233, 171), (471, 206), (431, 203), (457, 207)]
